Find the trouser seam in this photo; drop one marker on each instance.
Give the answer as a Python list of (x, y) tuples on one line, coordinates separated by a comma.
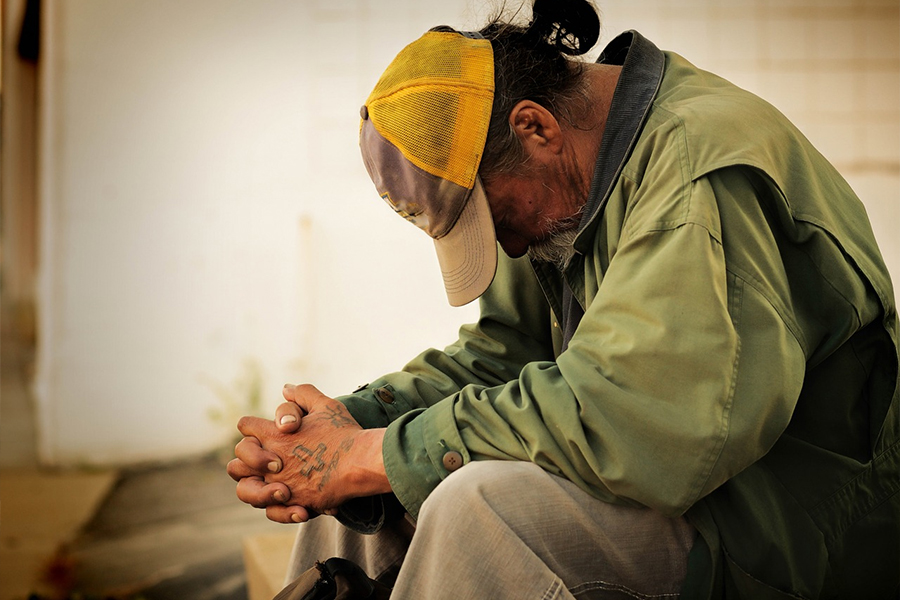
[(606, 585), (392, 569), (553, 591)]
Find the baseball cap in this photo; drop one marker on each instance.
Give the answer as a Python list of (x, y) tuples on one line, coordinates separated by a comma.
[(422, 135)]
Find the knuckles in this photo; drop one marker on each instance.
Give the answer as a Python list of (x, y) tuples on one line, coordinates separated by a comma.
[(265, 439), (245, 423), (255, 492), (235, 469), (308, 389), (303, 389)]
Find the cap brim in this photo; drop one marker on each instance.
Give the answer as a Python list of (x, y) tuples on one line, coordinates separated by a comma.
[(468, 252)]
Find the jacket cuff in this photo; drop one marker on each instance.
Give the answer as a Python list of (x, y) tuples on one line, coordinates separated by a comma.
[(375, 404), (420, 449), (369, 514)]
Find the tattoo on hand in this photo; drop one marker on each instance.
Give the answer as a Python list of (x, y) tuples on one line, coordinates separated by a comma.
[(333, 463), (314, 460), (336, 416)]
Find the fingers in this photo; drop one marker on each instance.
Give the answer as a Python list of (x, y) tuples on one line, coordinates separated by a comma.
[(294, 514), (255, 427), (260, 461), (305, 396), (289, 514), (287, 417), (290, 391), (238, 469), (259, 494)]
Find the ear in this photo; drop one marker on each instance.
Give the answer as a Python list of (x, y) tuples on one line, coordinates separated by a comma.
[(537, 129)]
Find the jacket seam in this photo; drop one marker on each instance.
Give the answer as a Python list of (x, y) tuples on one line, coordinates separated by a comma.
[(684, 171), (785, 318), (867, 508), (758, 581), (716, 454)]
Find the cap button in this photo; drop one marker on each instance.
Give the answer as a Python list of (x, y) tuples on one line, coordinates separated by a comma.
[(385, 395), (452, 460), (364, 112)]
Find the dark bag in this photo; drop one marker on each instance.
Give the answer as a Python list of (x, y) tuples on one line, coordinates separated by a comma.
[(334, 579)]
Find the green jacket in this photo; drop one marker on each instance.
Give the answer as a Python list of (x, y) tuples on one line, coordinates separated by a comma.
[(723, 346)]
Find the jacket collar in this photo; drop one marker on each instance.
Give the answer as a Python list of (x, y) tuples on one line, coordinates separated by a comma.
[(642, 71)]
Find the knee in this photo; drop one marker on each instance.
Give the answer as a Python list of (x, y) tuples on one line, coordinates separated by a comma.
[(481, 483)]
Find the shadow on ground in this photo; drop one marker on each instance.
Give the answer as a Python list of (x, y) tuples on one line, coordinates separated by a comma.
[(168, 532)]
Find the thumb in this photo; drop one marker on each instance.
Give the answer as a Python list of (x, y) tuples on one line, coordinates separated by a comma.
[(287, 417)]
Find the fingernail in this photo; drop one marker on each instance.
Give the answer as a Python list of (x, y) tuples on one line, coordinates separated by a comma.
[(288, 386), (296, 518), (274, 467), (279, 495), (288, 419)]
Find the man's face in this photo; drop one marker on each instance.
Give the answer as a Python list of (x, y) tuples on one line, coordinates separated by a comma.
[(518, 208), (529, 207)]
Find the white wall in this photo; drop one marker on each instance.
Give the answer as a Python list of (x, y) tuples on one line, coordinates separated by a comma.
[(832, 66), (203, 202)]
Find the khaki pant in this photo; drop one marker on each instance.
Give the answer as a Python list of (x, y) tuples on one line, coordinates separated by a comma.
[(495, 530)]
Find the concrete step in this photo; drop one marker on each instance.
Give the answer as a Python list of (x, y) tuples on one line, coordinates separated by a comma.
[(41, 512)]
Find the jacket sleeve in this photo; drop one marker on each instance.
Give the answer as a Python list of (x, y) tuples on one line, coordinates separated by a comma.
[(681, 373)]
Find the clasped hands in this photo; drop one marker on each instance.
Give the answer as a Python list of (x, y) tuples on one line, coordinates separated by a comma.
[(311, 459)]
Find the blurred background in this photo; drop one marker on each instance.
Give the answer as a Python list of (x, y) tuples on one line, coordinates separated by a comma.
[(187, 224)]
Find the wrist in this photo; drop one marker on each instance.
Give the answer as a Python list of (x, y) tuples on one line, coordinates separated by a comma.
[(369, 476)]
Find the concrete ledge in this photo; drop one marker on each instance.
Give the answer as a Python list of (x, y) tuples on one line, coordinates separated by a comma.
[(266, 559), (39, 513)]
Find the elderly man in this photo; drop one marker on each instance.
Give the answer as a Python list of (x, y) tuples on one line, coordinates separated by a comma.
[(683, 379)]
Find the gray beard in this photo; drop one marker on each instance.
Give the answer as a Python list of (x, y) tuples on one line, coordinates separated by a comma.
[(558, 248)]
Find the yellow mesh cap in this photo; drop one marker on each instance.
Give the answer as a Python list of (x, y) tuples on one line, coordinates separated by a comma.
[(434, 104), (422, 135)]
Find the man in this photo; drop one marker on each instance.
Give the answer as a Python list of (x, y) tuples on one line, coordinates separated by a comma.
[(689, 385)]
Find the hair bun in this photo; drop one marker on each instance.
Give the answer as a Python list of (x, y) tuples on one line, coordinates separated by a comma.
[(570, 26)]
